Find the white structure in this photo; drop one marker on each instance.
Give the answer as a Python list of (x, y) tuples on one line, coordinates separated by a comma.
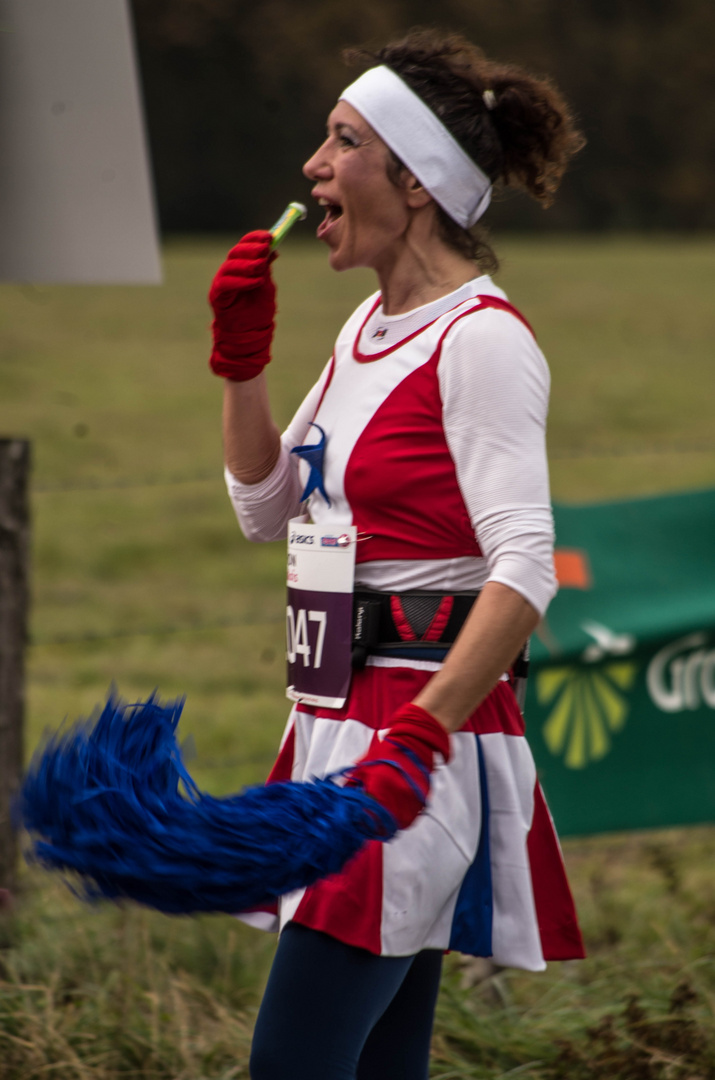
[(76, 201)]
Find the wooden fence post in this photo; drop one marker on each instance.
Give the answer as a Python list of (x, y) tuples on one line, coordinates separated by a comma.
[(14, 592)]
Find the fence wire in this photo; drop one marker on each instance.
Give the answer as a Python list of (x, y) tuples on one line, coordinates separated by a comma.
[(102, 484), (151, 631), (574, 453)]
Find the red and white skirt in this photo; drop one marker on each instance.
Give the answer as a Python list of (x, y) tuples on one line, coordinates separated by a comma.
[(479, 872)]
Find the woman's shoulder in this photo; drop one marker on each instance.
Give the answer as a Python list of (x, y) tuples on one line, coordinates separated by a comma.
[(484, 285), (492, 339), (488, 312)]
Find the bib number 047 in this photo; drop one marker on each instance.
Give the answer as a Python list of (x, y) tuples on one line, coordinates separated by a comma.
[(298, 638)]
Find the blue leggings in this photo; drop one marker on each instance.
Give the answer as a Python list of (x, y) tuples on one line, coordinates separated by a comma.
[(335, 1012)]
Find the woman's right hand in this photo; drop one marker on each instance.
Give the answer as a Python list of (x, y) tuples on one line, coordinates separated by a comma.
[(242, 296)]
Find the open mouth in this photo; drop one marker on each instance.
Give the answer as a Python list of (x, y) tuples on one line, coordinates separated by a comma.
[(333, 211)]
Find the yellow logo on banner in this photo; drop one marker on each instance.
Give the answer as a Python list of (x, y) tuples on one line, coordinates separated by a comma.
[(590, 706)]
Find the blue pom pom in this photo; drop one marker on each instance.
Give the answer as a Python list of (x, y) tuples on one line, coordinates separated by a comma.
[(111, 800)]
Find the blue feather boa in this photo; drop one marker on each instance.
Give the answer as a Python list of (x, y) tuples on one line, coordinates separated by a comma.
[(111, 800)]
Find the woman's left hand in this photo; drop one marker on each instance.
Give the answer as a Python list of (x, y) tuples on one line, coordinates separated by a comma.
[(396, 770), (499, 623)]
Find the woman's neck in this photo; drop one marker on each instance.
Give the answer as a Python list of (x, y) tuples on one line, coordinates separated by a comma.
[(420, 268)]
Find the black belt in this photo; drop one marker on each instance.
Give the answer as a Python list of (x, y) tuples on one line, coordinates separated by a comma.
[(410, 622)]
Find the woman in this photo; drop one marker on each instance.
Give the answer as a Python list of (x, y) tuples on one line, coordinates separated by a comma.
[(426, 432)]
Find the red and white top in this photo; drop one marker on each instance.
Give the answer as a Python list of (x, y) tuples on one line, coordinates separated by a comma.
[(435, 448)]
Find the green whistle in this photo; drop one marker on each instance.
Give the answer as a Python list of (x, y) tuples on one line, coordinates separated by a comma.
[(293, 212)]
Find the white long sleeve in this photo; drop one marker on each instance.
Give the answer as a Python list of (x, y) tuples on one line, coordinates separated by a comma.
[(264, 509), (495, 389)]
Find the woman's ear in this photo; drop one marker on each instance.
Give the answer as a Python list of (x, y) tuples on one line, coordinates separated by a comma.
[(417, 196)]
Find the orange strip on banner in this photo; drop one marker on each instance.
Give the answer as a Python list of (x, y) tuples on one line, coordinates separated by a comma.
[(573, 570)]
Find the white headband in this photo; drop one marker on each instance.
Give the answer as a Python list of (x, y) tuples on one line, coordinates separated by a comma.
[(421, 141)]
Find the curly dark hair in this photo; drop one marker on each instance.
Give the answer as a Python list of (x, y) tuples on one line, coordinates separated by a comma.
[(524, 140)]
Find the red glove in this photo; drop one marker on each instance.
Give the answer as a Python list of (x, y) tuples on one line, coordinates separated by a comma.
[(243, 298), (411, 743)]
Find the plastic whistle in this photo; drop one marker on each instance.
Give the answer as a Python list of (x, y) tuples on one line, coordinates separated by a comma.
[(293, 212)]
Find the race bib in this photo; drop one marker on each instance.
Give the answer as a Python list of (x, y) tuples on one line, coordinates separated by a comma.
[(319, 612)]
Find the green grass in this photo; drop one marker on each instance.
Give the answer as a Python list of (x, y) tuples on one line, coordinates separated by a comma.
[(140, 576)]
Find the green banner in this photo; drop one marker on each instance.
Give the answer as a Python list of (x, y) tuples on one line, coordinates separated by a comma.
[(620, 705)]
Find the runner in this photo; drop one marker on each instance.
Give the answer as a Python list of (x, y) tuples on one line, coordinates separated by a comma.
[(421, 450)]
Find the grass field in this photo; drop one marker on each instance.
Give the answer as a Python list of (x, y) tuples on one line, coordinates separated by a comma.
[(140, 576)]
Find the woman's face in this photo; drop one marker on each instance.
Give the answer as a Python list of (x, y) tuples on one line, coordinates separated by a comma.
[(366, 213)]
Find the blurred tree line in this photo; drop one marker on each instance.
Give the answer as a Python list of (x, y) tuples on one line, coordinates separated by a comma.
[(237, 92)]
